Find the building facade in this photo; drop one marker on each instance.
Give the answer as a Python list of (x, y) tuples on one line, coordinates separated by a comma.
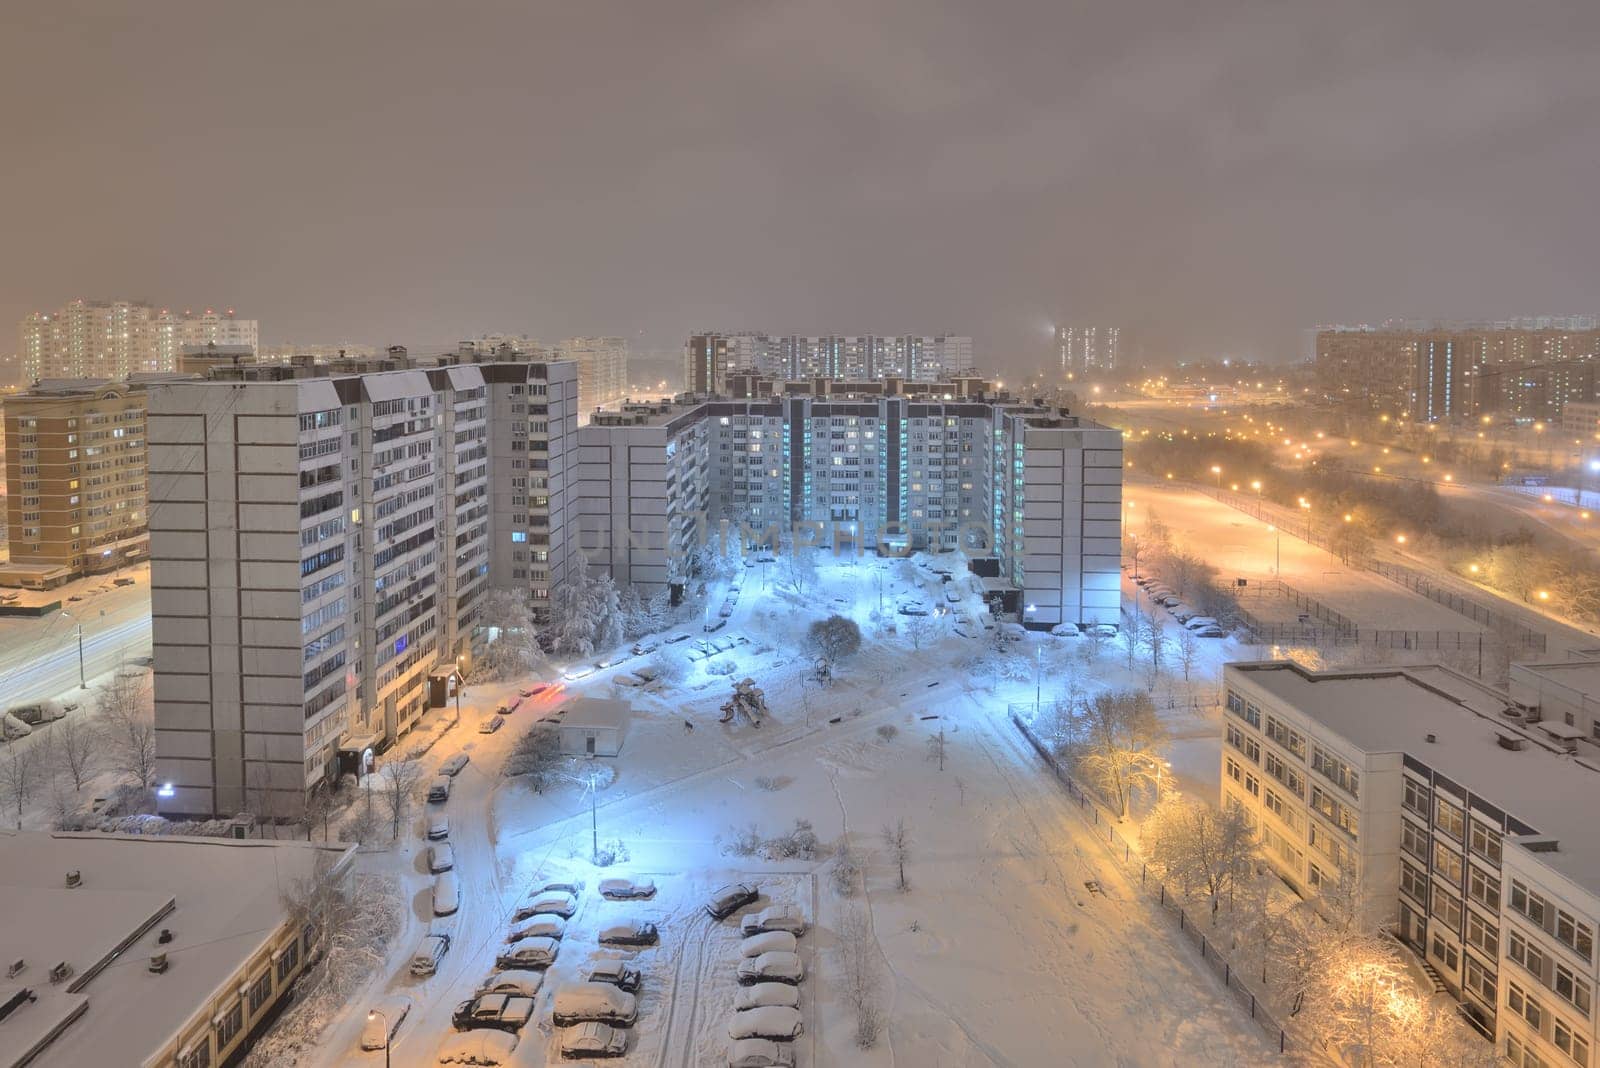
[(75, 479), (116, 339), (1084, 351), (709, 357), (602, 368), (1467, 830)]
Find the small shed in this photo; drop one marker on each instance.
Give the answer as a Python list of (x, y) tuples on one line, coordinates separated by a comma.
[(593, 726)]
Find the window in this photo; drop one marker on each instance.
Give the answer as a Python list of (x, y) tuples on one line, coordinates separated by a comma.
[(1575, 933), (1335, 771), (1252, 783), (1247, 712), (1573, 988), (260, 992), (1244, 743), (1483, 888), (1235, 772), (1414, 840), (1449, 818), (1480, 980), (1285, 774), (1413, 882), (1339, 814), (1527, 902), (1483, 934), (229, 1023), (1276, 806), (1524, 1006), (198, 1055), (1485, 841), (1525, 953), (1286, 736), (1446, 908), (288, 957), (1520, 1055), (1445, 953), (1573, 1045), (1447, 864)]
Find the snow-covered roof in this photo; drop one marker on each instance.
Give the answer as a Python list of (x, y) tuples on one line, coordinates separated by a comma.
[(1580, 677), (221, 899), (590, 713), (1454, 725)]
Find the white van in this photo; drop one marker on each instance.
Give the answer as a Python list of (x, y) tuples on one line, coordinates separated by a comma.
[(446, 894), (439, 790)]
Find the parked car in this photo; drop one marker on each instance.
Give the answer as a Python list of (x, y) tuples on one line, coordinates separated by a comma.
[(777, 1022), (534, 690), (1210, 632), (425, 961), (1199, 622), (383, 1020), (623, 889), (539, 926), (763, 994), (446, 894), (438, 827), (1169, 600), (492, 724), (774, 918), (593, 1003), (1012, 632), (1103, 630), (629, 933), (439, 790), (619, 973), (911, 608), (37, 713), (453, 766), (123, 582), (1064, 630), (727, 900), (771, 968), (767, 942), (533, 954), (951, 595), (1182, 612), (503, 1012), (715, 624), (478, 1048), (676, 638), (760, 1053), (555, 902), (518, 984), (645, 648), (556, 886), (11, 727), (593, 1040), (441, 858)]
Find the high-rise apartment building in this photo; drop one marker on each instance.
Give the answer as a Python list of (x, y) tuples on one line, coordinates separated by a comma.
[(602, 368), (1463, 818), (75, 479), (1087, 350), (321, 539), (1035, 489), (708, 357), (115, 339)]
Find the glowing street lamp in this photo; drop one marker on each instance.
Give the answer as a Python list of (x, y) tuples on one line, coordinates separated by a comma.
[(1216, 469), (1400, 539), (1544, 595)]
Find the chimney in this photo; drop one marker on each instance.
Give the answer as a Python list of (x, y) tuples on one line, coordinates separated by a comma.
[(74, 879)]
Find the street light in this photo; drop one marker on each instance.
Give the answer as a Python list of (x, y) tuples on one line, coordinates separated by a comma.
[(1399, 539), (374, 1014), (1216, 469), (83, 682)]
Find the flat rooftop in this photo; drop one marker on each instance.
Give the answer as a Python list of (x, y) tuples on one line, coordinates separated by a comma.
[(222, 900), (1395, 710), (595, 712), (1581, 676)]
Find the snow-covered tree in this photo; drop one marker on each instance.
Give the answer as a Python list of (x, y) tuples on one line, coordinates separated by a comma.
[(513, 650), (585, 611), (74, 750), (1155, 641), (631, 607), (798, 566), (1200, 848), (536, 756), (400, 784), (1122, 744), (859, 965), (897, 838), (21, 776), (130, 728), (835, 639), (922, 630)]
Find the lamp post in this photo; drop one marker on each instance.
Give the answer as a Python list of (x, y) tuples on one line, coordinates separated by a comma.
[(1038, 670), (374, 1014), (1277, 550), (594, 818), (1216, 469), (83, 682)]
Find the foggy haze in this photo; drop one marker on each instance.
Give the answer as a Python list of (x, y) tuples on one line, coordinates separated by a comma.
[(1213, 177)]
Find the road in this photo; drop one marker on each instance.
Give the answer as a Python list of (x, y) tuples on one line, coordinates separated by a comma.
[(39, 657)]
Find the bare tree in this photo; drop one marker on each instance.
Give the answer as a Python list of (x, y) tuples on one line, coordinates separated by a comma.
[(21, 772), (400, 781), (834, 639), (1201, 848), (1093, 643), (130, 728), (1155, 642), (897, 837), (858, 953), (318, 810), (1188, 651), (937, 747), (799, 567), (74, 749), (1128, 636), (536, 756), (1122, 745), (921, 630)]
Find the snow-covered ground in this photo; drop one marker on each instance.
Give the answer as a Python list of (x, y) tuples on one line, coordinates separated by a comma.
[(997, 953)]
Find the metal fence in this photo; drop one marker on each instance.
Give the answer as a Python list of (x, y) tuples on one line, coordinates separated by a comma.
[(1122, 850)]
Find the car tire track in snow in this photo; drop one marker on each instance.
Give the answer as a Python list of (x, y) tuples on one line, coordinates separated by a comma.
[(700, 923), (701, 957)]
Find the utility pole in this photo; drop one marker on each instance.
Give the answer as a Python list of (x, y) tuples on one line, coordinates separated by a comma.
[(594, 820)]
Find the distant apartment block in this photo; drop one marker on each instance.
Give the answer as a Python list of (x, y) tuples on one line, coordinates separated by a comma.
[(116, 339), (76, 499), (1466, 822), (708, 357), (1035, 490), (318, 351), (1087, 350), (321, 540), (602, 368)]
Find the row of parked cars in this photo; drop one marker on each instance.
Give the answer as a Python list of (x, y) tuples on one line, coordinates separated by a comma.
[(1191, 620), (766, 1010)]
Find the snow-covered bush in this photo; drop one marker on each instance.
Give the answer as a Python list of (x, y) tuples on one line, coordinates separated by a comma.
[(846, 871), (721, 667), (612, 852), (888, 731), (798, 843)]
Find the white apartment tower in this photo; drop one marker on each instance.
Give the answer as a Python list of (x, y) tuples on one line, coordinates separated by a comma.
[(862, 357), (602, 368), (116, 339), (1087, 350)]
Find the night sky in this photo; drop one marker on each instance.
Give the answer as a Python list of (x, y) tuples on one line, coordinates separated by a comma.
[(1214, 176)]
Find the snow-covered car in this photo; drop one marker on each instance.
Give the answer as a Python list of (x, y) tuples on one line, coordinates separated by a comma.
[(441, 858), (645, 648), (578, 671), (763, 994), (951, 595), (453, 766), (713, 625), (593, 1040), (383, 1020), (1064, 630), (1170, 600), (535, 690), (771, 968), (1210, 632), (539, 926), (1103, 630), (725, 611), (619, 973), (774, 918), (438, 827), (492, 724), (446, 894), (727, 900), (532, 955), (503, 1012), (556, 886), (425, 961), (624, 889), (478, 1048), (593, 1003), (911, 608), (439, 790), (767, 942), (1012, 632), (676, 638), (518, 984), (1182, 612), (760, 1053), (776, 1022), (1199, 622), (1143, 580), (11, 727), (629, 933), (555, 902)]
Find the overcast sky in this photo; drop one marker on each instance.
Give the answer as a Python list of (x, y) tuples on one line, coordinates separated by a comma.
[(1216, 175)]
